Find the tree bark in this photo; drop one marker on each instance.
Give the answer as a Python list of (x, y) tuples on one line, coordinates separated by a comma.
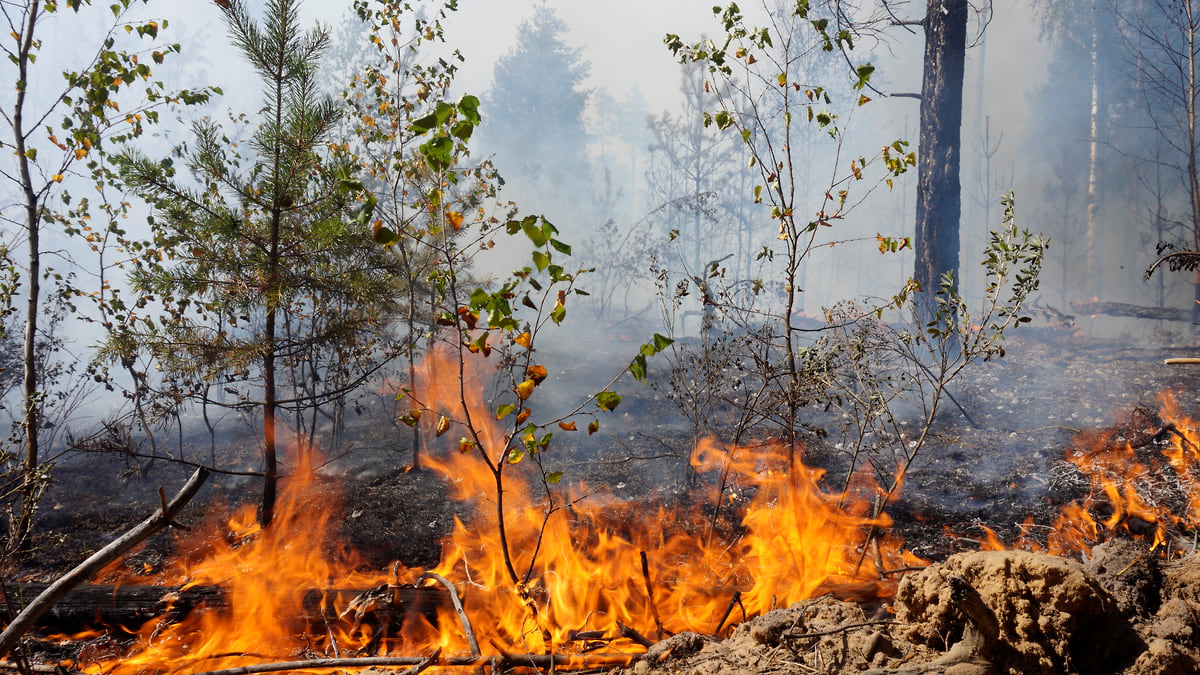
[(939, 193)]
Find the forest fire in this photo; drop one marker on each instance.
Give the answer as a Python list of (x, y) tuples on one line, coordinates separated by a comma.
[(585, 573), (589, 579)]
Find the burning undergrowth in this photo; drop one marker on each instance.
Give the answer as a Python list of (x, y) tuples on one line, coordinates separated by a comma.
[(604, 581)]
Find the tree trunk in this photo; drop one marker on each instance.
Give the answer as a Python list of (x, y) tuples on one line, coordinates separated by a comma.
[(939, 194), (1092, 274), (1193, 88), (31, 404)]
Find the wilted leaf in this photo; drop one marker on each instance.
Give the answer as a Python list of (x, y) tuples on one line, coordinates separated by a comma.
[(443, 425), (553, 477), (567, 426), (536, 373), (523, 415), (525, 389), (524, 339), (455, 219), (593, 427), (465, 444)]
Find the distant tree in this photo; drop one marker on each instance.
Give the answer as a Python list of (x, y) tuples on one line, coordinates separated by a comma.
[(536, 107), (58, 126), (1084, 99), (688, 164), (1163, 39), (268, 262)]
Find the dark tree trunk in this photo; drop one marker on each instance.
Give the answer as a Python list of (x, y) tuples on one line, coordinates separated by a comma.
[(939, 195)]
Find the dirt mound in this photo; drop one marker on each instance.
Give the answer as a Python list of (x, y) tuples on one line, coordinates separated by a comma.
[(1010, 612), (1048, 612)]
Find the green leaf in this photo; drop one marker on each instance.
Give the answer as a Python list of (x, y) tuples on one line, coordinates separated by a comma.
[(383, 236), (442, 112), (349, 184), (468, 105), (637, 367), (608, 400), (422, 125), (560, 246), (661, 342), (554, 477), (535, 234), (558, 313), (504, 410), (864, 75), (541, 260), (479, 298), (462, 130), (438, 153)]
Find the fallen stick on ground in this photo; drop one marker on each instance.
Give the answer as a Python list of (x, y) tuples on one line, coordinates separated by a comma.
[(98, 561)]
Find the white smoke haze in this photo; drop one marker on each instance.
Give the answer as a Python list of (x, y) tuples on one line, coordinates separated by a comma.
[(610, 202)]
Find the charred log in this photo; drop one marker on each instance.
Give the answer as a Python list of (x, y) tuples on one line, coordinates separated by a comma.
[(1134, 311), (126, 608)]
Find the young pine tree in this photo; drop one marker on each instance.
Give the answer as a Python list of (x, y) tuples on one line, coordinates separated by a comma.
[(270, 259)]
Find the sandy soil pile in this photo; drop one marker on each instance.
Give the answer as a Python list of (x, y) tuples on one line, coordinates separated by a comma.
[(984, 612)]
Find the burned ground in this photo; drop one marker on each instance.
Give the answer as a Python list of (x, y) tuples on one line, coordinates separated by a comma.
[(997, 460)]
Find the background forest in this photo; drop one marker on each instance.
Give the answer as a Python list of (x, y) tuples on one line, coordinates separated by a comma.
[(231, 231)]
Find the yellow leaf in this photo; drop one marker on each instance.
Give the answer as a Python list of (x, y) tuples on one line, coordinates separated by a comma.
[(443, 425), (525, 389), (57, 178), (537, 373), (523, 415), (80, 153), (455, 219), (523, 339)]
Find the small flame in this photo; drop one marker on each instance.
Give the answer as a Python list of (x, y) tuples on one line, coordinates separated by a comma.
[(1145, 494)]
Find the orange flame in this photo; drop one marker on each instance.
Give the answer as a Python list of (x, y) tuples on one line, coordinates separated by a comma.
[(585, 570), (1122, 478)]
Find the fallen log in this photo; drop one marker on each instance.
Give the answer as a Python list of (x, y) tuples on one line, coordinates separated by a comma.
[(129, 607), (118, 547), (1133, 311)]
